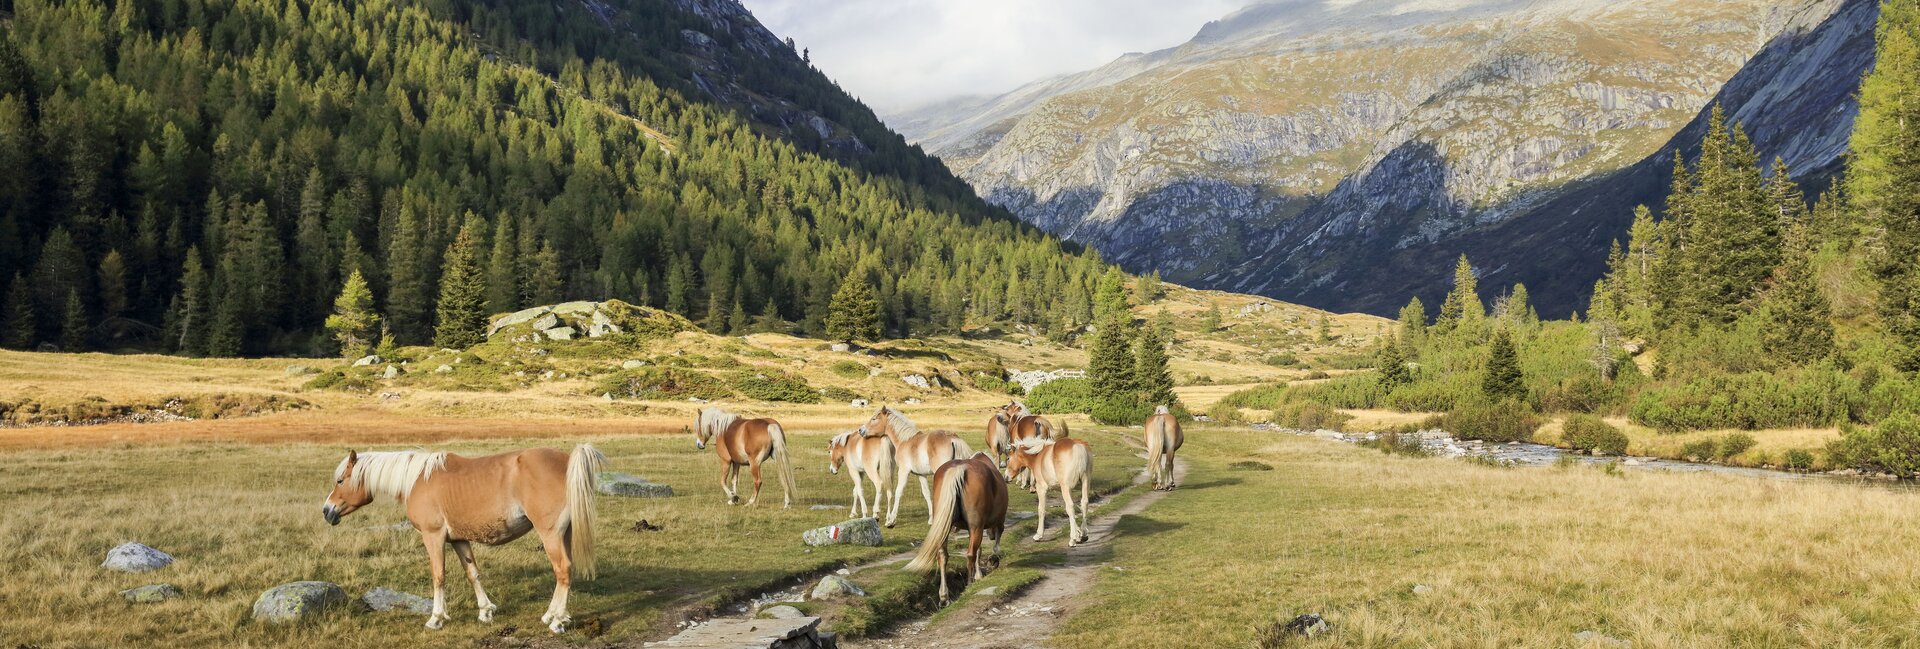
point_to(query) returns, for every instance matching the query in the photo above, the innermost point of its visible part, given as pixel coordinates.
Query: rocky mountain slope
(1340, 154)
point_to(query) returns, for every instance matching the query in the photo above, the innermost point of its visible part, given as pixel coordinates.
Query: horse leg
(927, 494)
(754, 464)
(1073, 524)
(973, 551)
(943, 572)
(899, 490)
(859, 495)
(1040, 489)
(726, 481)
(436, 543)
(464, 550)
(555, 543)
(1170, 484)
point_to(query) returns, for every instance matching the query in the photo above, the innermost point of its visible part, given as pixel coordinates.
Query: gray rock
(1422, 589)
(559, 333)
(858, 403)
(633, 365)
(296, 370)
(622, 484)
(832, 586)
(392, 371)
(546, 322)
(1308, 625)
(607, 397)
(917, 381)
(989, 591)
(783, 613)
(297, 601)
(443, 369)
(383, 599)
(825, 507)
(369, 359)
(859, 531)
(578, 307)
(150, 593)
(1597, 639)
(136, 557)
(840, 347)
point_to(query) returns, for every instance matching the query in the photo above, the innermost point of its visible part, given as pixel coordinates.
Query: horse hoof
(436, 621)
(486, 614)
(1036, 537)
(546, 617)
(558, 626)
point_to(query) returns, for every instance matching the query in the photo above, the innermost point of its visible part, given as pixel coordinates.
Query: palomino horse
(1056, 462)
(864, 457)
(1013, 422)
(1163, 438)
(969, 492)
(492, 499)
(914, 452)
(744, 442)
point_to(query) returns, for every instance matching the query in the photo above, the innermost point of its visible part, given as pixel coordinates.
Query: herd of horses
(494, 499)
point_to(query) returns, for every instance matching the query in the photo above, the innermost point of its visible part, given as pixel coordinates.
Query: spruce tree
(409, 295)
(1413, 323)
(462, 308)
(1110, 360)
(1111, 295)
(1518, 310)
(17, 328)
(1503, 379)
(113, 285)
(1883, 172)
(546, 285)
(737, 320)
(854, 314)
(1799, 326)
(1732, 237)
(1462, 310)
(1148, 288)
(353, 322)
(193, 307)
(1151, 376)
(73, 328)
(1393, 366)
(503, 269)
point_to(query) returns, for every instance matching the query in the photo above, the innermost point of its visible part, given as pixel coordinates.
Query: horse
(871, 457)
(1013, 422)
(969, 492)
(491, 499)
(744, 442)
(914, 452)
(1056, 462)
(1163, 438)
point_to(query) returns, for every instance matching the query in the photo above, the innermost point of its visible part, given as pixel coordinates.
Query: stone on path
(136, 557)
(297, 601)
(835, 586)
(859, 531)
(622, 484)
(783, 612)
(796, 633)
(150, 593)
(384, 599)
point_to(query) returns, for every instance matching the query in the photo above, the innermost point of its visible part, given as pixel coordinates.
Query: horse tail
(961, 450)
(946, 494)
(779, 437)
(1156, 446)
(582, 467)
(1082, 458)
(886, 462)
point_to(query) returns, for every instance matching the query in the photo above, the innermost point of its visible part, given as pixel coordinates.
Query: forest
(205, 176)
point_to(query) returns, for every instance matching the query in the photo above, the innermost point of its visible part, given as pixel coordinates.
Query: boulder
(858, 403)
(622, 484)
(633, 365)
(383, 599)
(1422, 589)
(517, 317)
(832, 586)
(546, 322)
(369, 359)
(150, 593)
(783, 612)
(859, 531)
(559, 333)
(1308, 625)
(840, 347)
(392, 371)
(579, 307)
(443, 369)
(917, 381)
(136, 557)
(297, 601)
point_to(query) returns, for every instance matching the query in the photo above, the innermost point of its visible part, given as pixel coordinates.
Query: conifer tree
(193, 307)
(503, 270)
(1110, 360)
(1148, 288)
(1799, 326)
(18, 326)
(409, 295)
(1111, 295)
(854, 314)
(546, 286)
(1413, 323)
(1151, 375)
(462, 308)
(1462, 310)
(1210, 320)
(1503, 379)
(737, 321)
(1732, 235)
(1518, 311)
(1883, 172)
(354, 322)
(113, 285)
(73, 329)
(1393, 367)
(313, 258)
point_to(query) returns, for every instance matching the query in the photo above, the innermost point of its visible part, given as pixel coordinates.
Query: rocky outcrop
(569, 320)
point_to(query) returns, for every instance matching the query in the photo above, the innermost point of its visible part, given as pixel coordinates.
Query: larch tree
(1463, 309)
(461, 310)
(353, 322)
(1883, 172)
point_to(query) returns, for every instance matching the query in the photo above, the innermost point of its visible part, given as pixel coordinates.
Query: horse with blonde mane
(864, 457)
(914, 453)
(1163, 438)
(491, 499)
(1012, 423)
(1055, 462)
(744, 442)
(969, 493)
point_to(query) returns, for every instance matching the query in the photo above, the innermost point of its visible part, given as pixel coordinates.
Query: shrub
(1505, 421)
(1310, 416)
(1590, 433)
(1798, 459)
(1351, 391)
(1735, 444)
(1120, 410)
(1061, 396)
(837, 393)
(1317, 375)
(1446, 393)
(1394, 443)
(1584, 392)
(654, 382)
(1265, 397)
(989, 382)
(1222, 412)
(1750, 401)
(775, 386)
(1283, 360)
(339, 380)
(848, 369)
(1347, 361)
(1892, 447)
(1701, 450)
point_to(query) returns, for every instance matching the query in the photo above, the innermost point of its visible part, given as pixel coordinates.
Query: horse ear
(352, 456)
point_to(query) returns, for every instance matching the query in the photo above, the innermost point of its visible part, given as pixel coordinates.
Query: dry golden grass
(1514, 557)
(1771, 444)
(1376, 419)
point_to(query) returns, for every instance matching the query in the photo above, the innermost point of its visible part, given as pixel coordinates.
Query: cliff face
(1342, 156)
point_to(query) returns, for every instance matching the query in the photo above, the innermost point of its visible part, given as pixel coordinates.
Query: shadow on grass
(1226, 481)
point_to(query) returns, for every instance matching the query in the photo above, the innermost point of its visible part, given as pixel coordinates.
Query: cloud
(898, 54)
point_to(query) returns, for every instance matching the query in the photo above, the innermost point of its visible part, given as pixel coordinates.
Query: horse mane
(1021, 408)
(840, 439)
(899, 423)
(391, 473)
(1032, 445)
(714, 421)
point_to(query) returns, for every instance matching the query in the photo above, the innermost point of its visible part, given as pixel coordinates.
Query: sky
(900, 54)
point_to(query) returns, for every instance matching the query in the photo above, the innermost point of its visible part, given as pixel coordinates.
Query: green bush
(1120, 411)
(1395, 443)
(1222, 412)
(1438, 395)
(848, 369)
(989, 382)
(1583, 392)
(1283, 360)
(1505, 421)
(1061, 396)
(1798, 459)
(1346, 361)
(775, 386)
(1701, 450)
(1750, 401)
(1736, 443)
(1892, 447)
(1350, 391)
(339, 380)
(662, 383)
(1590, 433)
(1265, 397)
(837, 393)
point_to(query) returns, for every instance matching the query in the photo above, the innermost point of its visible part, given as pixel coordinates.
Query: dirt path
(1028, 619)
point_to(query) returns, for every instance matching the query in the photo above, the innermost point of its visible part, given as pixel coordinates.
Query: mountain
(1342, 154)
(205, 177)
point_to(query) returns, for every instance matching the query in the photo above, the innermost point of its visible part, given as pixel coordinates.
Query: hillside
(204, 178)
(1342, 155)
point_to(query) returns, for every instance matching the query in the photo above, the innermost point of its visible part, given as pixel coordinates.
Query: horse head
(1023, 455)
(709, 422)
(349, 493)
(879, 424)
(837, 452)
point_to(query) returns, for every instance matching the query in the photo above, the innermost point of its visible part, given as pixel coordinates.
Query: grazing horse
(491, 499)
(1056, 462)
(744, 442)
(1163, 438)
(1013, 422)
(868, 457)
(914, 452)
(969, 492)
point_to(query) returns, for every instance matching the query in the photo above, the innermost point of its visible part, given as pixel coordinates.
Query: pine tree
(1151, 376)
(353, 322)
(193, 307)
(1393, 367)
(1462, 310)
(462, 308)
(73, 329)
(409, 295)
(546, 286)
(1110, 296)
(854, 314)
(1210, 320)
(679, 285)
(313, 258)
(1413, 323)
(1799, 326)
(1731, 240)
(1110, 360)
(113, 285)
(1883, 172)
(1503, 379)
(17, 328)
(503, 269)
